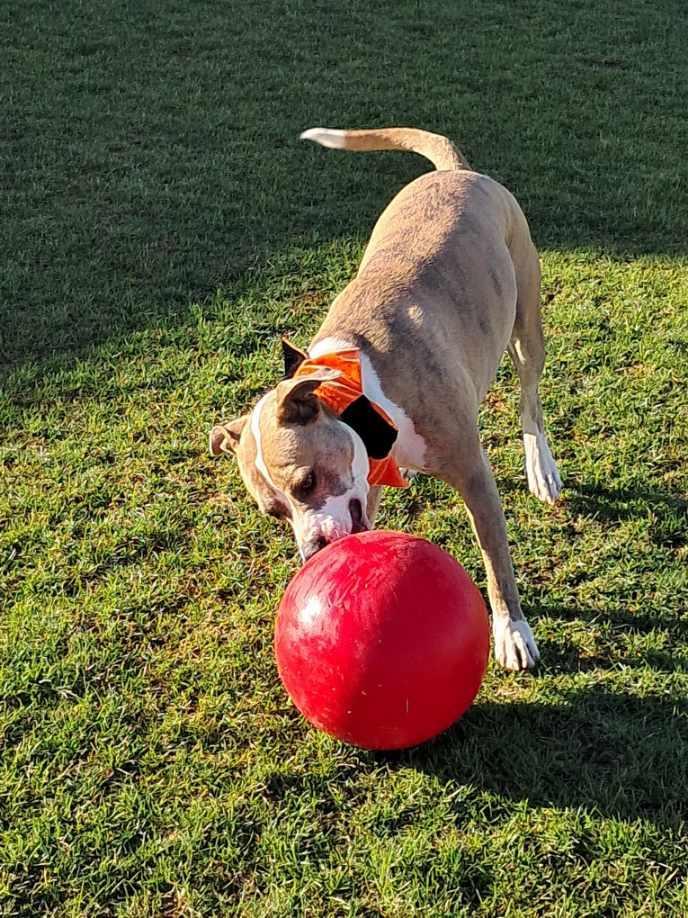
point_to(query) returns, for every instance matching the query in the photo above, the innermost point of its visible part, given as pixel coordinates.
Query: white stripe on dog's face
(331, 519)
(260, 461)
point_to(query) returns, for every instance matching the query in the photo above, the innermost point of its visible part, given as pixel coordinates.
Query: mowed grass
(161, 226)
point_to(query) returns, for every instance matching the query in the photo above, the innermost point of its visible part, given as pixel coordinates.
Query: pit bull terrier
(393, 379)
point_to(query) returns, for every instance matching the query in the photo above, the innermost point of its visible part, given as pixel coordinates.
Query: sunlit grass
(162, 228)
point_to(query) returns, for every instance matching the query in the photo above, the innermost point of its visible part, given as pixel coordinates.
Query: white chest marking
(409, 449)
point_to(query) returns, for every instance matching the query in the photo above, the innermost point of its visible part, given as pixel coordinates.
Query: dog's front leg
(374, 495)
(471, 475)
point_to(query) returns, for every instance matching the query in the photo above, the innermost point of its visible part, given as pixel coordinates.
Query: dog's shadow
(665, 512)
(622, 755)
(618, 504)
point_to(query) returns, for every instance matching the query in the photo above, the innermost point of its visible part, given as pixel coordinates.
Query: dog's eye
(306, 486)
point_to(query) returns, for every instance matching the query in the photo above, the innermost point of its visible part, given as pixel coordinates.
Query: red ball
(382, 640)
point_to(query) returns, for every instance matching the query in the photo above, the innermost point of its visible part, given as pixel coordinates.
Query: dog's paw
(543, 477)
(514, 644)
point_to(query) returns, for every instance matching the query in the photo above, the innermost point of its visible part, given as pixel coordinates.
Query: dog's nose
(313, 547)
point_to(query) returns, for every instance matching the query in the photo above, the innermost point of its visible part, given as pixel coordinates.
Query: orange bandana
(338, 394)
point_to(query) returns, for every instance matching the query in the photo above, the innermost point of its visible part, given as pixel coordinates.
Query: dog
(393, 379)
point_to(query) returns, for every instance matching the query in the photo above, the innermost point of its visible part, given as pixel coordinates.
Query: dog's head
(300, 462)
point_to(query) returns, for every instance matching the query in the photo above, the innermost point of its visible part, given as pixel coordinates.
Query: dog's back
(438, 260)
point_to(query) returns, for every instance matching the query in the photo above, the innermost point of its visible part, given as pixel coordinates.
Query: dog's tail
(441, 152)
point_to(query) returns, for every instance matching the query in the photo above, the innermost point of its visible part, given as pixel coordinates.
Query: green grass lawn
(161, 226)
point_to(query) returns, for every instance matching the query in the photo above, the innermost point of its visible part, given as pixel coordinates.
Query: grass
(161, 226)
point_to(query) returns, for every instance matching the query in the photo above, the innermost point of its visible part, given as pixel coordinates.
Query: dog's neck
(410, 448)
(346, 397)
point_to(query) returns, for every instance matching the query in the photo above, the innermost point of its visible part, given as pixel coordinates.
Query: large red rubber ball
(382, 640)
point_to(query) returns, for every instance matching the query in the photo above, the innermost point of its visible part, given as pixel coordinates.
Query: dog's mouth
(358, 524)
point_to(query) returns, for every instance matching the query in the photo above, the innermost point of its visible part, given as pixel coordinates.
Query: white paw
(514, 644)
(543, 478)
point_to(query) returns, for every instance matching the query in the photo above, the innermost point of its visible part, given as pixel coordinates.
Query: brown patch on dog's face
(309, 462)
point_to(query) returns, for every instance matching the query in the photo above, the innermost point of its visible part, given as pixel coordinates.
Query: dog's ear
(293, 358)
(224, 438)
(296, 399)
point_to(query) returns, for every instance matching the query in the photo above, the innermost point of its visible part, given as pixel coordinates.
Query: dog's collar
(344, 396)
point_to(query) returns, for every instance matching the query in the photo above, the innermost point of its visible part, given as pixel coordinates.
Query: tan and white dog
(449, 281)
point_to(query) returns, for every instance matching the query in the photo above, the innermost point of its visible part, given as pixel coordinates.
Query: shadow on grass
(622, 503)
(622, 755)
(151, 165)
(669, 512)
(565, 657)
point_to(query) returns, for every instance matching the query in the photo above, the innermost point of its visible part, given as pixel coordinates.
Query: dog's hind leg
(528, 354)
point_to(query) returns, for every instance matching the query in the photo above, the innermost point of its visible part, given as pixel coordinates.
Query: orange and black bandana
(344, 397)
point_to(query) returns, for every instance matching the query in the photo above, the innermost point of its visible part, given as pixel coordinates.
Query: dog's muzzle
(358, 524)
